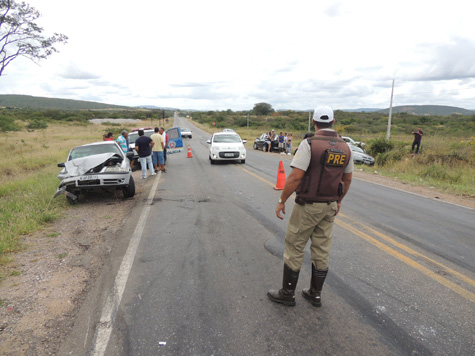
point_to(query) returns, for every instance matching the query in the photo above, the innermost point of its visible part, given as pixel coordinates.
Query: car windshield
(226, 138)
(356, 149)
(185, 129)
(133, 136)
(89, 150)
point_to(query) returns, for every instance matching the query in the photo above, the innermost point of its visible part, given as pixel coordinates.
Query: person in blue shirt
(281, 143)
(123, 141)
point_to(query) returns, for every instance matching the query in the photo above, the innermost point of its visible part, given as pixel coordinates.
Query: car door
(261, 141)
(175, 141)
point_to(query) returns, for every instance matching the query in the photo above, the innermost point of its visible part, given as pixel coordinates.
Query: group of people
(152, 150)
(284, 140)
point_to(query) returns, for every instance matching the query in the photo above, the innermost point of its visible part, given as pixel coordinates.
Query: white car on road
(226, 146)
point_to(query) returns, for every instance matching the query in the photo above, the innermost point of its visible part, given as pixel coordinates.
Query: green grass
(25, 206)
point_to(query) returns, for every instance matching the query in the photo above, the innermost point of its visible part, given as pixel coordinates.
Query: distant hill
(422, 110)
(35, 102)
(361, 110)
(153, 107)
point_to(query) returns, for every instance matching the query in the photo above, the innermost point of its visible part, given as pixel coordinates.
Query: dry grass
(28, 169)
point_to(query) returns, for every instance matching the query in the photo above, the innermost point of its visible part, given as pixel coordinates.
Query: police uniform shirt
(302, 157)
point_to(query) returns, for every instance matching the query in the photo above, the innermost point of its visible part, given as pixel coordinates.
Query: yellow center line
(456, 288)
(433, 275)
(413, 252)
(257, 176)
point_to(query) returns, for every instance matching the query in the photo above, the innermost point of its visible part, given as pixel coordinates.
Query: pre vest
(322, 182)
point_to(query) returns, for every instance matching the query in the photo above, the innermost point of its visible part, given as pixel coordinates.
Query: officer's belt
(301, 201)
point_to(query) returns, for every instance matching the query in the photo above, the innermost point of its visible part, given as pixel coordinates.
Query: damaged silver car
(96, 166)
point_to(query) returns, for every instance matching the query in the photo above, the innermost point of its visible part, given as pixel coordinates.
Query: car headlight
(115, 169)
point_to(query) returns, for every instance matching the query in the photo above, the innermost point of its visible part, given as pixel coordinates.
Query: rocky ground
(51, 276)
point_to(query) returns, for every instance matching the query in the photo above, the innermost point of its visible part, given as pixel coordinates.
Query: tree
(21, 36)
(262, 109)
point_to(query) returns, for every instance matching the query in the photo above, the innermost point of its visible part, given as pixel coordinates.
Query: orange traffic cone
(190, 155)
(280, 177)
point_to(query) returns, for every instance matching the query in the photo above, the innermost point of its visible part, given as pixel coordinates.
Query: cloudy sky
(230, 54)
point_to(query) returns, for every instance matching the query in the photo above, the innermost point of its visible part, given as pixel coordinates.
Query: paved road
(401, 280)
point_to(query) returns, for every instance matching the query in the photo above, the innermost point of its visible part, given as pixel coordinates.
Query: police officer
(321, 176)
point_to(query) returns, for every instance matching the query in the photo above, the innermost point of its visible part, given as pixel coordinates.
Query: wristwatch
(281, 201)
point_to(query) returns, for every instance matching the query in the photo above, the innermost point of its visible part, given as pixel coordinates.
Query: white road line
(104, 329)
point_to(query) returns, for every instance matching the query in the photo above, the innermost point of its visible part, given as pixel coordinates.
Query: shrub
(8, 124)
(37, 124)
(379, 146)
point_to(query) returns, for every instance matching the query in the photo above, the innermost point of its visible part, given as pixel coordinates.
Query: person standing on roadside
(143, 146)
(165, 138)
(157, 151)
(272, 138)
(123, 142)
(417, 139)
(321, 176)
(289, 143)
(281, 143)
(108, 137)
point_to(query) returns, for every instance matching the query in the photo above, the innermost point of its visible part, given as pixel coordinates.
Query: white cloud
(218, 55)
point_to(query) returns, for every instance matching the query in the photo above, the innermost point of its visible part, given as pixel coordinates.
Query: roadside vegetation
(32, 143)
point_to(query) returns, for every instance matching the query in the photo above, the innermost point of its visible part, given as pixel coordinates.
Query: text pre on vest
(335, 158)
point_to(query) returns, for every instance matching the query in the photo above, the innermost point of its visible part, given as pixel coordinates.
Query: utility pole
(309, 117)
(388, 135)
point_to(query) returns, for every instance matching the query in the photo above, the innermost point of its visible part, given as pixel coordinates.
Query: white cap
(323, 113)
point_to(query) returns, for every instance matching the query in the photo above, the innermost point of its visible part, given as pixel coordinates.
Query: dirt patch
(50, 277)
(38, 306)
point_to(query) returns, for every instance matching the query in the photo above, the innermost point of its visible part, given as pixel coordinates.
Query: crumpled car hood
(80, 166)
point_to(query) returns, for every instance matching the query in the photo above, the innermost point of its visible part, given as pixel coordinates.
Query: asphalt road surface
(205, 246)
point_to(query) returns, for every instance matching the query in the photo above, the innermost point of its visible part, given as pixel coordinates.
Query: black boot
(286, 295)
(314, 293)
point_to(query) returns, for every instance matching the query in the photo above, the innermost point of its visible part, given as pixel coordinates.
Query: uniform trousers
(314, 222)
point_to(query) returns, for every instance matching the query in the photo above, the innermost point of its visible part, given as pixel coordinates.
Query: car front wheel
(129, 191)
(255, 146)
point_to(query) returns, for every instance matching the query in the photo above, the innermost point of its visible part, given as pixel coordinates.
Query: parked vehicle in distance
(350, 141)
(360, 157)
(186, 132)
(229, 130)
(262, 143)
(96, 166)
(226, 146)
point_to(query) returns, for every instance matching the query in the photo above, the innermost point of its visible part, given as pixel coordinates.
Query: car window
(84, 151)
(173, 133)
(356, 149)
(133, 136)
(226, 138)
